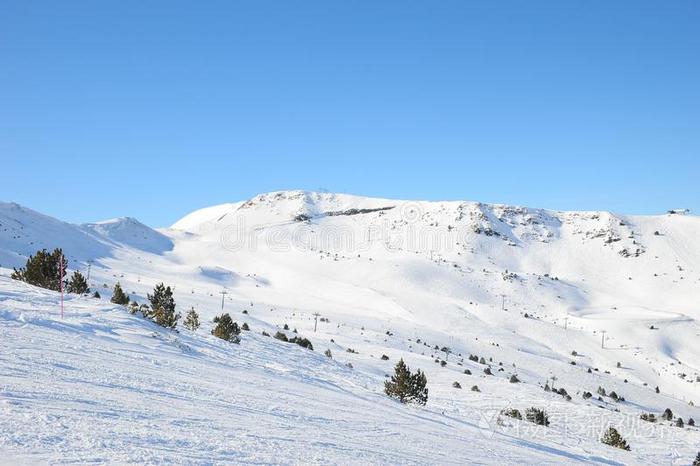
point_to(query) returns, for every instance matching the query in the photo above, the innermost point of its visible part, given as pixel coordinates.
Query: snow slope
(523, 288)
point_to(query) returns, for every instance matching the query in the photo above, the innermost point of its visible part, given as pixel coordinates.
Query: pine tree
(613, 438)
(163, 306)
(679, 422)
(43, 270)
(165, 318)
(97, 295)
(407, 387)
(118, 296)
(667, 415)
(226, 328)
(697, 460)
(77, 284)
(192, 320)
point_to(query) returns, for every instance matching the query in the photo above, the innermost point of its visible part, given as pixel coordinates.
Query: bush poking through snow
(245, 326)
(475, 388)
(649, 417)
(613, 438)
(191, 320)
(514, 413)
(77, 284)
(281, 336)
(667, 415)
(456, 385)
(226, 328)
(118, 296)
(43, 269)
(163, 306)
(328, 354)
(514, 379)
(303, 342)
(697, 460)
(406, 386)
(385, 357)
(537, 416)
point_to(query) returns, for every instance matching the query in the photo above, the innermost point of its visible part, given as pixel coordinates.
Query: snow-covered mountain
(578, 300)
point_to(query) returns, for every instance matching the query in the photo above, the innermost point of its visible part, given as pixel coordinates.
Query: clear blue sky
(155, 108)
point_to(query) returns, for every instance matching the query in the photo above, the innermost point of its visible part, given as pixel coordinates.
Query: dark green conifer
(77, 284)
(407, 387)
(118, 296)
(43, 270)
(613, 438)
(226, 328)
(191, 320)
(163, 306)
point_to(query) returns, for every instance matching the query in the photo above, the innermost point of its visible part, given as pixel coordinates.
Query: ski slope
(523, 288)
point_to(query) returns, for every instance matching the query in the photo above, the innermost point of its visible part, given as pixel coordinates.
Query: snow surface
(102, 385)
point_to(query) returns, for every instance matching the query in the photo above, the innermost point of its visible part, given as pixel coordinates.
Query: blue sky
(153, 109)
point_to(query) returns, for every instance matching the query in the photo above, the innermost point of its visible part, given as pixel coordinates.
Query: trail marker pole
(316, 314)
(602, 340)
(60, 273)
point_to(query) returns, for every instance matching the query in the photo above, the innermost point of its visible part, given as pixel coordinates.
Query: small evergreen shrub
(226, 328)
(303, 342)
(407, 387)
(613, 438)
(281, 336)
(537, 416)
(475, 388)
(163, 306)
(191, 320)
(456, 385)
(43, 269)
(77, 284)
(328, 354)
(118, 296)
(514, 413)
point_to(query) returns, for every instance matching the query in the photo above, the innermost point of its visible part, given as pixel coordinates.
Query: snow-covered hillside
(578, 300)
